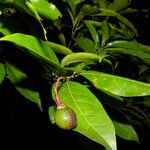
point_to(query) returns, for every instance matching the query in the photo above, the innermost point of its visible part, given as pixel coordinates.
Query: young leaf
(86, 44)
(46, 9)
(16, 76)
(92, 120)
(34, 46)
(105, 32)
(117, 85)
(125, 131)
(59, 48)
(2, 72)
(93, 32)
(78, 57)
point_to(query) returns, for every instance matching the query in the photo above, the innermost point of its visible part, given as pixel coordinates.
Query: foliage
(88, 43)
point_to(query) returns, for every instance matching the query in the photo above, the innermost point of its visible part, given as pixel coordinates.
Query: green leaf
(86, 44)
(27, 7)
(117, 85)
(93, 32)
(125, 44)
(111, 13)
(95, 23)
(78, 57)
(17, 77)
(59, 48)
(46, 9)
(102, 3)
(73, 5)
(119, 5)
(105, 32)
(2, 72)
(21, 4)
(144, 56)
(125, 131)
(51, 113)
(146, 48)
(84, 11)
(92, 120)
(130, 48)
(34, 46)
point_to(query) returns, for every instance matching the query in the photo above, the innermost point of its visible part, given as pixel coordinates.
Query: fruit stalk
(58, 100)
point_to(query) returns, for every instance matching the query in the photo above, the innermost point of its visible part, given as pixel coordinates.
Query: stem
(58, 100)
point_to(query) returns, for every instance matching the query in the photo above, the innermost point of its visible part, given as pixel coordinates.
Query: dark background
(24, 126)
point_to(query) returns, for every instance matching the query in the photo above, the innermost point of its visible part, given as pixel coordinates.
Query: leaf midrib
(83, 114)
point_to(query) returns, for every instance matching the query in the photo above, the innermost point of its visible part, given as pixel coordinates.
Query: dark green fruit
(65, 118)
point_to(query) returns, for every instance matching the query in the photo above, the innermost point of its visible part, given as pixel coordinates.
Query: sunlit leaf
(92, 120)
(46, 9)
(117, 85)
(79, 57)
(34, 46)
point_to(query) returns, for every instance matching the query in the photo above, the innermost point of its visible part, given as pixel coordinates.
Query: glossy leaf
(125, 44)
(2, 72)
(144, 56)
(125, 131)
(79, 57)
(16, 76)
(92, 120)
(34, 46)
(117, 85)
(130, 48)
(86, 44)
(46, 9)
(59, 48)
